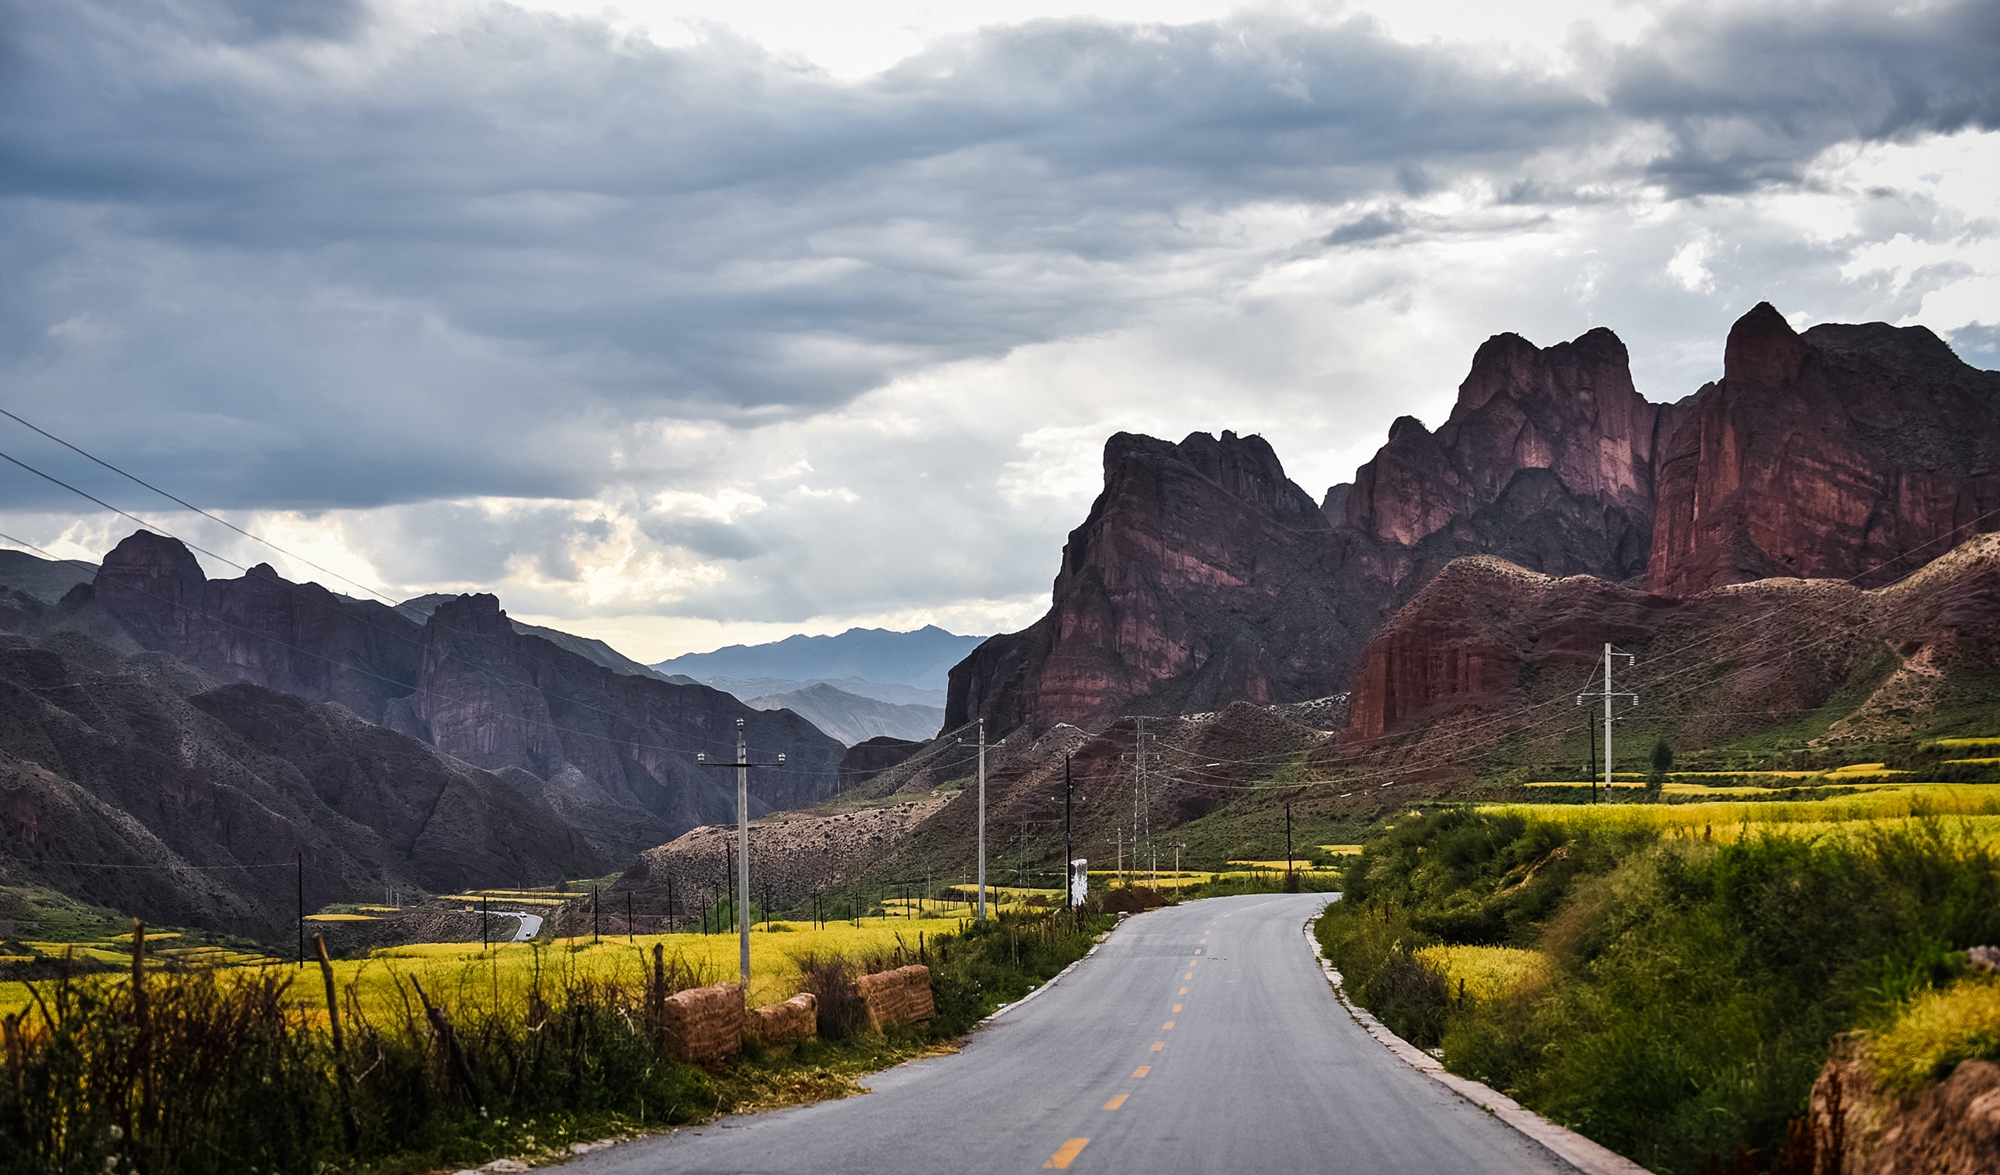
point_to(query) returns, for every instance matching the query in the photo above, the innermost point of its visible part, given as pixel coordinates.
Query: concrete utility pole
(743, 766)
(982, 812)
(1138, 786)
(1607, 694)
(982, 819)
(1069, 852)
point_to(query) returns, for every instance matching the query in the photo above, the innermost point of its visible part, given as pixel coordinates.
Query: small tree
(1663, 762)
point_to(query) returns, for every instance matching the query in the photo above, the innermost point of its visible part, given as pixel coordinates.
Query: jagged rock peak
(1246, 468)
(1763, 349)
(1569, 408)
(478, 612)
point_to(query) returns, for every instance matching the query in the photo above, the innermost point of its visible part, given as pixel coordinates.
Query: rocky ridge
(1200, 578)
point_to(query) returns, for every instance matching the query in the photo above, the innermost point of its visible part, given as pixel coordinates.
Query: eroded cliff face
(1850, 452)
(1490, 655)
(295, 638)
(1846, 452)
(1203, 576)
(1568, 412)
(617, 751)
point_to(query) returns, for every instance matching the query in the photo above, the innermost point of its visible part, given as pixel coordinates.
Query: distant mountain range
(852, 718)
(874, 655)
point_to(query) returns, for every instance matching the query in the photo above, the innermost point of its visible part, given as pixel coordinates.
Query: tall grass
(1690, 988)
(241, 1070)
(221, 1070)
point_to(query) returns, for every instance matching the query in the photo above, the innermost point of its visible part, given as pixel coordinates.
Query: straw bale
(704, 1024)
(902, 996)
(794, 1020)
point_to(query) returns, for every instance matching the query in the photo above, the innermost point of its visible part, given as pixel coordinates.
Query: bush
(830, 979)
(1692, 989)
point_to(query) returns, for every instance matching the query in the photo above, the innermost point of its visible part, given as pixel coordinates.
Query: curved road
(1200, 1038)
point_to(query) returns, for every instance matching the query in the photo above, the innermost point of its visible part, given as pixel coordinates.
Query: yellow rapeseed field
(462, 974)
(1486, 972)
(1974, 806)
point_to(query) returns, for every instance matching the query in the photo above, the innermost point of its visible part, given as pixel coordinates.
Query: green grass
(1690, 988)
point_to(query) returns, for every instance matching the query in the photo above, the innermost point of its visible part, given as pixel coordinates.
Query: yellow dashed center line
(1114, 1103)
(1183, 992)
(1188, 976)
(1177, 1007)
(1066, 1154)
(1158, 1045)
(1197, 950)
(1142, 1070)
(1169, 1027)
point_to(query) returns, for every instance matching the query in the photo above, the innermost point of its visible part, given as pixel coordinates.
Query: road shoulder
(1565, 1144)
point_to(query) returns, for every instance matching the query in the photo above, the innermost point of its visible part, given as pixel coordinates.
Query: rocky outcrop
(865, 760)
(1490, 655)
(1845, 452)
(791, 858)
(1856, 1127)
(1547, 459)
(1201, 578)
(1203, 575)
(260, 629)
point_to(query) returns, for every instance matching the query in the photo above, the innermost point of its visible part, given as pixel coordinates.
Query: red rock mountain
(1489, 657)
(1198, 579)
(1846, 451)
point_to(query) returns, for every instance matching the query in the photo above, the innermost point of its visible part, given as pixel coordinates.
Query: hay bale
(794, 1020)
(902, 996)
(704, 1024)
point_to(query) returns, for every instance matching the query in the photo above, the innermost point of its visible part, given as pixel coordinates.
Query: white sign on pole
(1079, 881)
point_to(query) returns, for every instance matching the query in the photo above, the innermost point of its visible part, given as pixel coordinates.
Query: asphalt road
(1198, 1039)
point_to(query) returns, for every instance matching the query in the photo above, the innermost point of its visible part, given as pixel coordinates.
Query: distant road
(531, 924)
(1199, 1039)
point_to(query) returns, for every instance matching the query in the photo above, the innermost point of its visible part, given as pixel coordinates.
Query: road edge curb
(998, 1012)
(1565, 1144)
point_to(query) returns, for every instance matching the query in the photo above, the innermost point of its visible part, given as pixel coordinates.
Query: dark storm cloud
(1748, 96)
(297, 260)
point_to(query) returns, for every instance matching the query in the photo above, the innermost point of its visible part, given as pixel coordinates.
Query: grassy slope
(1683, 991)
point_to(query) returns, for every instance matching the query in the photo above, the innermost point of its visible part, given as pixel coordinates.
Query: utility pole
(742, 879)
(1607, 694)
(302, 907)
(1288, 845)
(1138, 783)
(982, 813)
(593, 914)
(1069, 853)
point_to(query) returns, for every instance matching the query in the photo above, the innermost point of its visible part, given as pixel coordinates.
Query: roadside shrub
(1410, 995)
(1691, 988)
(1135, 899)
(830, 978)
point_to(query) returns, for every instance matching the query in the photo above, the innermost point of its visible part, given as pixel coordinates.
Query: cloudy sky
(678, 322)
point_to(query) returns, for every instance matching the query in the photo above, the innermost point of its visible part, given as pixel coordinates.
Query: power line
(191, 506)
